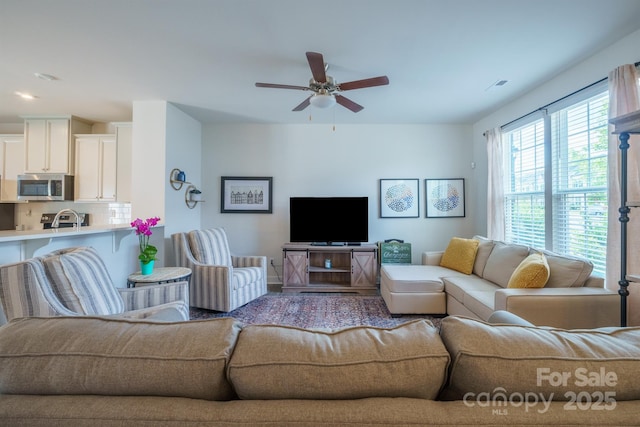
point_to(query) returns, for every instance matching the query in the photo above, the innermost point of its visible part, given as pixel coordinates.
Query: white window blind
(579, 137)
(556, 185)
(524, 195)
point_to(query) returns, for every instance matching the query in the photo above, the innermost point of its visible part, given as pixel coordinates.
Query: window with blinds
(579, 138)
(556, 189)
(524, 195)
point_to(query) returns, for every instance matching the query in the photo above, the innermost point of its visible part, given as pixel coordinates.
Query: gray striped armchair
(76, 282)
(219, 281)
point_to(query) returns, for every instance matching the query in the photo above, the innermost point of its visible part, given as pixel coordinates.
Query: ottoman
(413, 289)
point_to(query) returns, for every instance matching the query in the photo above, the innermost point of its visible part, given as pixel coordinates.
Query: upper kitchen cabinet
(50, 145)
(11, 164)
(96, 168)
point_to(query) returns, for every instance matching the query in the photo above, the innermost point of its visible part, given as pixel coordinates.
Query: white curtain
(495, 185)
(623, 99)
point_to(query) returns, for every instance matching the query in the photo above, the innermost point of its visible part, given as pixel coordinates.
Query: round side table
(159, 275)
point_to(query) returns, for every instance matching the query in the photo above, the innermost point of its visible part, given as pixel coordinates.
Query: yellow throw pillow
(460, 255)
(533, 272)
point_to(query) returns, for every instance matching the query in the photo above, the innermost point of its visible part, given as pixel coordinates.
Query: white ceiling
(205, 55)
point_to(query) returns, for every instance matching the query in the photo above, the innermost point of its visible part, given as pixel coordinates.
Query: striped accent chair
(26, 292)
(220, 281)
(75, 281)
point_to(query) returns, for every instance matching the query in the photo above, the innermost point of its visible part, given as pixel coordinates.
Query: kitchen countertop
(13, 235)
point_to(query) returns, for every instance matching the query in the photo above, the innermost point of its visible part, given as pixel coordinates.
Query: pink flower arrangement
(143, 231)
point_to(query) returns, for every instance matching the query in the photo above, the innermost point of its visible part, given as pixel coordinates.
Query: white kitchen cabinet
(11, 164)
(96, 168)
(49, 144)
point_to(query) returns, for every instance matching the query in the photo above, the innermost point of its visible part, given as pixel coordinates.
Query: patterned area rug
(315, 311)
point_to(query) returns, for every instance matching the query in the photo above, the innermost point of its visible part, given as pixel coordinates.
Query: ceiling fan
(326, 92)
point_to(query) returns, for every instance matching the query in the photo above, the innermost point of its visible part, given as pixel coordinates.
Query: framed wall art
(241, 194)
(399, 198)
(444, 198)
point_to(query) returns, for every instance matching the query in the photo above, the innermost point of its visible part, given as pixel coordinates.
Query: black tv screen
(329, 220)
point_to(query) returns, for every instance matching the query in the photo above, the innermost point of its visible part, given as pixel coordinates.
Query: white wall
(183, 148)
(314, 160)
(589, 71)
(148, 154)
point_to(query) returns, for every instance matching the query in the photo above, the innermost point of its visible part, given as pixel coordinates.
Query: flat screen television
(329, 220)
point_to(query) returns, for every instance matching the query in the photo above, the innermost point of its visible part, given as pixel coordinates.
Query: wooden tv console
(353, 268)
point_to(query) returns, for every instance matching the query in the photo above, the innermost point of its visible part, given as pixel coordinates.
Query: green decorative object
(147, 268)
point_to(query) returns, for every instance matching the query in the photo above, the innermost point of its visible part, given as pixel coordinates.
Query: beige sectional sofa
(571, 296)
(91, 371)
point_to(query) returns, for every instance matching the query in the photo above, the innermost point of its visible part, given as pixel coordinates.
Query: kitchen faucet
(56, 219)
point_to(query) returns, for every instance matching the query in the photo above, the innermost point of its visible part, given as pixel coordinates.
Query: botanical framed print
(399, 198)
(240, 194)
(444, 198)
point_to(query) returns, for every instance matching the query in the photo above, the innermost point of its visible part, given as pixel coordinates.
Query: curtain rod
(557, 100)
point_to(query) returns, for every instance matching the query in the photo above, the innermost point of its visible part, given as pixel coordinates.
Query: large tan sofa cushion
(503, 261)
(413, 278)
(98, 356)
(485, 246)
(281, 362)
(555, 363)
(567, 271)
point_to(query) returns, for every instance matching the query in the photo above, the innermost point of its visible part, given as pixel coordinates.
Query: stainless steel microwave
(45, 186)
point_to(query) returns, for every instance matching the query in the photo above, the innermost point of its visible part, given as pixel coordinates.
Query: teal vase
(147, 268)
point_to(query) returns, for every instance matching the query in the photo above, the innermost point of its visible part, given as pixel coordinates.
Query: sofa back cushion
(485, 247)
(82, 282)
(567, 271)
(557, 364)
(210, 246)
(281, 362)
(503, 261)
(116, 357)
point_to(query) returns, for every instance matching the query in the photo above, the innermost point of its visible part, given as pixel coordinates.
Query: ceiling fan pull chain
(334, 120)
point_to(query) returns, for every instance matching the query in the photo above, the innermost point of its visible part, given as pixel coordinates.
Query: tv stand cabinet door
(363, 268)
(296, 268)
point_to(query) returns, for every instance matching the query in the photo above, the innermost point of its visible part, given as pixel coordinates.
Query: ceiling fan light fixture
(323, 100)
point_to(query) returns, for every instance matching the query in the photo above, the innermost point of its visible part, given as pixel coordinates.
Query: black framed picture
(444, 198)
(243, 194)
(399, 198)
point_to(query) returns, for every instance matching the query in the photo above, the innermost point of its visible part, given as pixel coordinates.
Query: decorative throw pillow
(533, 272)
(460, 255)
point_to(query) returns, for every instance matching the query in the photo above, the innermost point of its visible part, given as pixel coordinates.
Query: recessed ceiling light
(27, 96)
(47, 77)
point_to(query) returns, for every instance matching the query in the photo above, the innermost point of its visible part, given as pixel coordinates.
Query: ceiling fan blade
(316, 63)
(347, 103)
(279, 86)
(304, 104)
(359, 84)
